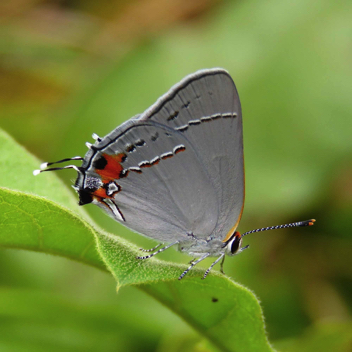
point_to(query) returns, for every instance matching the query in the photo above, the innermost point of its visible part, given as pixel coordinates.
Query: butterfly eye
(235, 244)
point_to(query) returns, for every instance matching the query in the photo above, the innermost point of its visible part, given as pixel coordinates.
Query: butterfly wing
(205, 108)
(149, 178)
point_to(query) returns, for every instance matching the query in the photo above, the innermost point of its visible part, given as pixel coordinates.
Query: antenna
(43, 166)
(293, 224)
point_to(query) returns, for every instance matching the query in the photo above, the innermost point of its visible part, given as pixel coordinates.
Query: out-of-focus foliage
(70, 68)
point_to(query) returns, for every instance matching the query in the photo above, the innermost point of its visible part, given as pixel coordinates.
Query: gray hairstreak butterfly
(175, 173)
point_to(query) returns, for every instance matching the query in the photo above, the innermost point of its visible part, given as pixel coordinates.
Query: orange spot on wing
(100, 193)
(113, 167)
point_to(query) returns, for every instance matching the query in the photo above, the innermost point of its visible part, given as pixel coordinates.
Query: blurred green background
(71, 68)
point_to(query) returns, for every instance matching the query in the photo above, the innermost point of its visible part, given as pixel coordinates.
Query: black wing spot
(100, 163)
(123, 173)
(154, 137)
(187, 105)
(130, 148)
(123, 158)
(140, 143)
(173, 116)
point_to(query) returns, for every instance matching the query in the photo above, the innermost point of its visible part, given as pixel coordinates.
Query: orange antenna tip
(311, 222)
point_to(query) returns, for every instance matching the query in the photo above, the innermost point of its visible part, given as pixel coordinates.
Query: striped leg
(158, 251)
(211, 266)
(152, 249)
(193, 264)
(222, 263)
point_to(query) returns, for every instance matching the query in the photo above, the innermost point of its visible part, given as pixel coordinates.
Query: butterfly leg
(193, 264)
(152, 249)
(211, 266)
(158, 251)
(223, 260)
(222, 265)
(192, 261)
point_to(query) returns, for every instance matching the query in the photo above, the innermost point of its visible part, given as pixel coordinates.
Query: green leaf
(34, 223)
(226, 313)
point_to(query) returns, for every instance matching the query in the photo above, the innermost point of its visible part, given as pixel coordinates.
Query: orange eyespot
(112, 168)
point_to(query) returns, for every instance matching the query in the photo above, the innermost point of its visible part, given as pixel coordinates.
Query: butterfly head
(233, 245)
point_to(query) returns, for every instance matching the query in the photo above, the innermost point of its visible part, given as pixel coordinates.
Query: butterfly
(175, 173)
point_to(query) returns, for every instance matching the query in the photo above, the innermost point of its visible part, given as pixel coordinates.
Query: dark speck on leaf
(214, 299)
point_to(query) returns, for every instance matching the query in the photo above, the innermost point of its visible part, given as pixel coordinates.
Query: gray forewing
(165, 194)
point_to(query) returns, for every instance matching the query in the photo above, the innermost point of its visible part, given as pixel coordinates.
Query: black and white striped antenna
(292, 224)
(44, 166)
